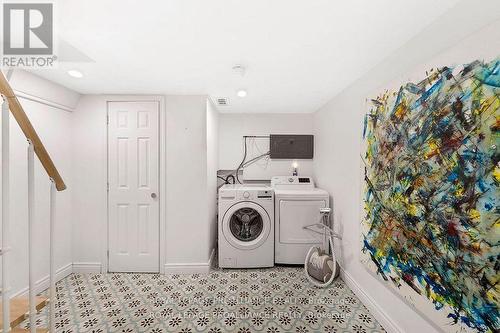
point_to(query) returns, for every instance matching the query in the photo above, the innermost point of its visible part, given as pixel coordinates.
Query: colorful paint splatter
(431, 198)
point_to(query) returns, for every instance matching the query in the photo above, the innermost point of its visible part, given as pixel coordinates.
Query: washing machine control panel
(245, 192)
(265, 195)
(256, 195)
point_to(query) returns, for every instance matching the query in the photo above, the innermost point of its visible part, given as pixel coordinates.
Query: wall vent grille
(222, 101)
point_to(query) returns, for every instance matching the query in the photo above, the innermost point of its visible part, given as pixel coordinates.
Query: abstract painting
(431, 215)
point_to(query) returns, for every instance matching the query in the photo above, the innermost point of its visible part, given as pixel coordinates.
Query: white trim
(43, 283)
(40, 100)
(162, 137)
(9, 73)
(378, 312)
(87, 267)
(163, 182)
(190, 268)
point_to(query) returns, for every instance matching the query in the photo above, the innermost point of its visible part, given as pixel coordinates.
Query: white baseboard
(378, 312)
(190, 268)
(177, 268)
(87, 267)
(44, 283)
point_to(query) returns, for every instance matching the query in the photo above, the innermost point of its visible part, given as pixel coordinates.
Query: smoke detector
(222, 101)
(239, 69)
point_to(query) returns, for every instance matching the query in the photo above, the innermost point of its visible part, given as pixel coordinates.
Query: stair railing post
(5, 216)
(52, 321)
(31, 216)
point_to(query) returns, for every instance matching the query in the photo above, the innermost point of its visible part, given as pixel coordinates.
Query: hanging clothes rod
(325, 214)
(322, 226)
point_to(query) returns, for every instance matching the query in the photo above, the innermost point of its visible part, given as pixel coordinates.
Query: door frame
(162, 140)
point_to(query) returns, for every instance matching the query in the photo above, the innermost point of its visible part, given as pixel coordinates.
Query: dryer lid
(301, 193)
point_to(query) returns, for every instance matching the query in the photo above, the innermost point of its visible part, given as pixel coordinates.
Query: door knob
(153, 195)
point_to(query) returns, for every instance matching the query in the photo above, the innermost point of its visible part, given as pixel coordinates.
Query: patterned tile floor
(272, 300)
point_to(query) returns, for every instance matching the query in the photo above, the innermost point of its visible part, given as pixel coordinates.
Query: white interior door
(133, 176)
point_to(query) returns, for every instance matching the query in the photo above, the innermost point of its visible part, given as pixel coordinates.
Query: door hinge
(107, 119)
(107, 253)
(107, 187)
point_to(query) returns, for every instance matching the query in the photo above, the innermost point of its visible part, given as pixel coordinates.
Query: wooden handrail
(29, 131)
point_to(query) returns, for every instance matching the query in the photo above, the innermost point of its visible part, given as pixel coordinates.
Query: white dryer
(246, 226)
(297, 204)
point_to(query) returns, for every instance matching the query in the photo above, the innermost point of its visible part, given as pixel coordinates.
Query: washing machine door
(246, 225)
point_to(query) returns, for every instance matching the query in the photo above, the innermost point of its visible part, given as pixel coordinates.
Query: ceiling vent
(222, 101)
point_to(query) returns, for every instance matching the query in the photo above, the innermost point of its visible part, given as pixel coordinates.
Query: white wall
(89, 194)
(34, 87)
(338, 128)
(212, 167)
(187, 223)
(232, 128)
(53, 125)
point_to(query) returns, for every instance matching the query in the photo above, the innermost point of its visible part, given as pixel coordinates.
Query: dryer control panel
(292, 182)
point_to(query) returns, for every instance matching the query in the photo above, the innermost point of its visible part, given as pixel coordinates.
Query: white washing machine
(246, 226)
(297, 204)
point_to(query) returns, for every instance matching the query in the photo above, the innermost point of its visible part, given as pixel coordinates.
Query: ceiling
(297, 54)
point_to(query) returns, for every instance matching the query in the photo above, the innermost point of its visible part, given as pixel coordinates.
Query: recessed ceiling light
(75, 73)
(241, 93)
